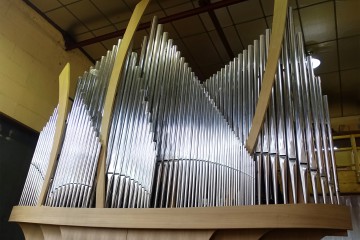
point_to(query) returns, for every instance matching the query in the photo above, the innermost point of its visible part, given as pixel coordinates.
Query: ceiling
(331, 30)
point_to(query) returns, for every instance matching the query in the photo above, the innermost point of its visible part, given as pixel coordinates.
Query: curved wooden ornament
(277, 34)
(64, 89)
(110, 97)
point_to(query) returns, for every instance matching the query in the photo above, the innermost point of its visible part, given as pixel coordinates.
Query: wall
(31, 58)
(346, 124)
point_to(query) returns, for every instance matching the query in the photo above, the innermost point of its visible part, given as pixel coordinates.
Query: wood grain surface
(110, 97)
(277, 34)
(51, 232)
(64, 88)
(311, 216)
(32, 231)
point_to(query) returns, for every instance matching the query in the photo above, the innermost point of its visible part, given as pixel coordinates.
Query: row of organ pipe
(39, 163)
(177, 142)
(296, 140)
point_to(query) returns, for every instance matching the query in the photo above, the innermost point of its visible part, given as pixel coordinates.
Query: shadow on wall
(17, 145)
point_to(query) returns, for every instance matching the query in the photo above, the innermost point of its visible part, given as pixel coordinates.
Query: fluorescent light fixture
(315, 62)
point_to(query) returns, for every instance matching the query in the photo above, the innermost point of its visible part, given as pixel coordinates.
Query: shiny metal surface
(177, 142)
(39, 163)
(294, 143)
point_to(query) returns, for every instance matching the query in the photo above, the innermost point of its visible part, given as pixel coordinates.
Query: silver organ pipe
(177, 142)
(39, 163)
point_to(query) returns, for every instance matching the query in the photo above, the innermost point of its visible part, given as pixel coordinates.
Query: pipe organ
(72, 184)
(149, 151)
(175, 142)
(296, 134)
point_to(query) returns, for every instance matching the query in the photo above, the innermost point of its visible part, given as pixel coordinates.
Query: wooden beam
(64, 88)
(110, 97)
(346, 136)
(279, 20)
(311, 216)
(356, 158)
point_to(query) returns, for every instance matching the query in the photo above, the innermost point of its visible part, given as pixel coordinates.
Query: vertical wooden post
(356, 157)
(110, 97)
(64, 86)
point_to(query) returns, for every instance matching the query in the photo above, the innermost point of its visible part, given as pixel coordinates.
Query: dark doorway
(17, 145)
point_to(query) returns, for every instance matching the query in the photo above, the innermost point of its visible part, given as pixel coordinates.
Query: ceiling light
(315, 62)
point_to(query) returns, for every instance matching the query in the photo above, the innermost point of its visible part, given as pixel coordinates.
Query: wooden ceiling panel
(66, 2)
(205, 18)
(121, 25)
(348, 17)
(349, 51)
(318, 23)
(233, 39)
(87, 13)
(110, 43)
(83, 36)
(202, 49)
(168, 27)
(182, 26)
(223, 16)
(104, 30)
(115, 10)
(305, 3)
(66, 21)
(240, 12)
(171, 3)
(96, 50)
(219, 47)
(178, 8)
(45, 6)
(251, 30)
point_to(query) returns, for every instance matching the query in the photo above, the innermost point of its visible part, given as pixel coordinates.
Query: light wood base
(249, 222)
(48, 232)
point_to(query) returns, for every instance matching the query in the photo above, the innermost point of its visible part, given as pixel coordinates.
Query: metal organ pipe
(175, 142)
